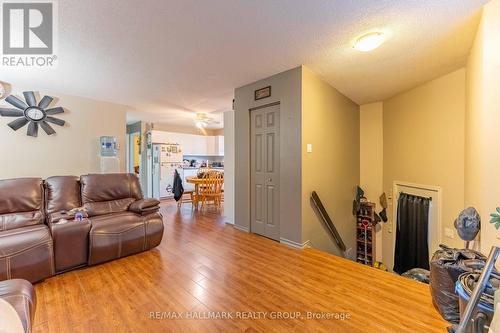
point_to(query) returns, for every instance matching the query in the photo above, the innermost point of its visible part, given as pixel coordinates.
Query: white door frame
(435, 192)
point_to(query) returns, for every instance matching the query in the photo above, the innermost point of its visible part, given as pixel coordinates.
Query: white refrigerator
(166, 159)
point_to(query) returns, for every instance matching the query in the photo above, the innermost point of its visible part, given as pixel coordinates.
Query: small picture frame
(263, 93)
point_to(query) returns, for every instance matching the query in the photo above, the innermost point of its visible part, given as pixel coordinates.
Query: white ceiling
(170, 59)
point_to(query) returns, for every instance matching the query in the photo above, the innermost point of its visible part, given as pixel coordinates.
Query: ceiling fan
(202, 120)
(32, 113)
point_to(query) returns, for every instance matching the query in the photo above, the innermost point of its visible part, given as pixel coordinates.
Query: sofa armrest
(144, 206)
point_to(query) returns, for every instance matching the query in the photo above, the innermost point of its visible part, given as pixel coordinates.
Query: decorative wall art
(32, 113)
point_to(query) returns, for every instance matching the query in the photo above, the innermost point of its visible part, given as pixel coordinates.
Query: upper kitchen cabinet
(195, 145)
(215, 145)
(192, 144)
(220, 144)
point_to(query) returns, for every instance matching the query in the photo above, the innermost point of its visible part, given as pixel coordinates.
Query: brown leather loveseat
(20, 294)
(34, 244)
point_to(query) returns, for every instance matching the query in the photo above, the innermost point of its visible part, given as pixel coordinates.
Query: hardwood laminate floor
(210, 277)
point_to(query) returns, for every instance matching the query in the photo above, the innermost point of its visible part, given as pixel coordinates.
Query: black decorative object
(32, 113)
(468, 224)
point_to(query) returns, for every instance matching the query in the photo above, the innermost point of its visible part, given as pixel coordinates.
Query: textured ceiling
(170, 59)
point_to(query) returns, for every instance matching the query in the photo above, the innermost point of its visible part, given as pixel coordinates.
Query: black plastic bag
(446, 265)
(417, 274)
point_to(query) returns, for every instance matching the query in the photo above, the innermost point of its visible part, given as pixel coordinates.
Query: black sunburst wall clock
(32, 113)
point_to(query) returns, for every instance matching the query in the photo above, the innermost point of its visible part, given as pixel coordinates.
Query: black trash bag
(417, 274)
(446, 265)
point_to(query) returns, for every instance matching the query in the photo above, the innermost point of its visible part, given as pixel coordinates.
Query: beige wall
(424, 139)
(371, 169)
(286, 89)
(73, 150)
(483, 119)
(330, 122)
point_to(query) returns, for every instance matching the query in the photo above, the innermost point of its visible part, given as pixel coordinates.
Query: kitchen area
(168, 152)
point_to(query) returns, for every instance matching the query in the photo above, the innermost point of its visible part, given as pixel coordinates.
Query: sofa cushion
(21, 295)
(21, 202)
(108, 207)
(21, 195)
(62, 193)
(116, 235)
(26, 253)
(22, 219)
(108, 187)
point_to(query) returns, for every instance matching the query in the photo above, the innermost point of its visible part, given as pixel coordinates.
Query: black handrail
(328, 221)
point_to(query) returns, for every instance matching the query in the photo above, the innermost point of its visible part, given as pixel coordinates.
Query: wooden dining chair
(211, 189)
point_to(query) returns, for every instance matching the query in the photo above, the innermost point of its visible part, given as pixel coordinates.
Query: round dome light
(369, 41)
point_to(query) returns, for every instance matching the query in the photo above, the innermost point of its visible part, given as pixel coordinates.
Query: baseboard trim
(241, 228)
(295, 245)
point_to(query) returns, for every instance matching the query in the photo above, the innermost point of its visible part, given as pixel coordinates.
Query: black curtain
(412, 248)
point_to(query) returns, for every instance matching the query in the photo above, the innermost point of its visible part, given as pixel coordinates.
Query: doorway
(264, 170)
(433, 194)
(134, 153)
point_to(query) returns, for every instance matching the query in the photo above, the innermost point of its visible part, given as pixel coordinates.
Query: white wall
(229, 167)
(73, 150)
(371, 132)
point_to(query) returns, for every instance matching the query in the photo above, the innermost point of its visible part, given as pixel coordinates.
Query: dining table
(196, 181)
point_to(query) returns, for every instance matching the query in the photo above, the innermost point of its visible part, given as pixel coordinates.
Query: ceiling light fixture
(369, 42)
(201, 124)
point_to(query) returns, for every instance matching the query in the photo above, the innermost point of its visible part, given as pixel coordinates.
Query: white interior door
(265, 158)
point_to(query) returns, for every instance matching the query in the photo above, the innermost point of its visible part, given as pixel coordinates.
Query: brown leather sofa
(123, 223)
(21, 295)
(34, 246)
(25, 242)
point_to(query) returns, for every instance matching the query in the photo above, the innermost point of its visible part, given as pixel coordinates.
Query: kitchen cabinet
(220, 142)
(211, 146)
(215, 145)
(192, 144)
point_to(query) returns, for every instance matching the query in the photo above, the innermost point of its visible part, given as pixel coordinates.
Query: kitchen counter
(196, 168)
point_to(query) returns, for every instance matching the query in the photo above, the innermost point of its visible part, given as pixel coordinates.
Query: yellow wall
(330, 122)
(424, 138)
(137, 146)
(371, 133)
(483, 123)
(73, 150)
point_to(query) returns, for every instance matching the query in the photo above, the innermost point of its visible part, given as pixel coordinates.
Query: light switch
(449, 233)
(309, 148)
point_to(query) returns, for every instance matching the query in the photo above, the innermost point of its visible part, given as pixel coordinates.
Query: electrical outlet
(309, 148)
(449, 233)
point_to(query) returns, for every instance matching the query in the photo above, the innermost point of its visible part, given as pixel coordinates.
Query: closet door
(264, 170)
